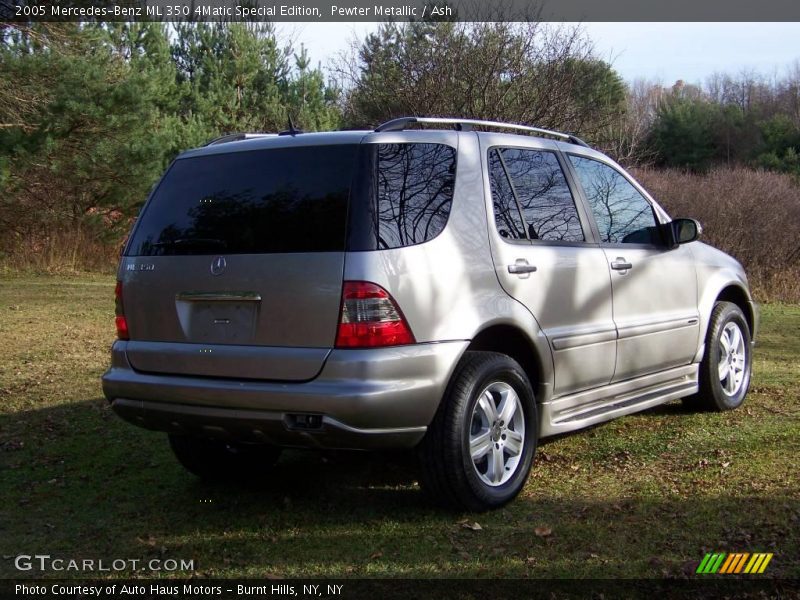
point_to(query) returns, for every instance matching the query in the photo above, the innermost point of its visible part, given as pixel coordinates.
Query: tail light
(121, 322)
(370, 318)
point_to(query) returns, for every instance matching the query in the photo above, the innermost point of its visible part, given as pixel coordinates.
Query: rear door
(235, 267)
(545, 258)
(655, 287)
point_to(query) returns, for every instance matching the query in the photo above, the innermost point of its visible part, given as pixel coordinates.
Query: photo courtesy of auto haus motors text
(114, 590)
(399, 299)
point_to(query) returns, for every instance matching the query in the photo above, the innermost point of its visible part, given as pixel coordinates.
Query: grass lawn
(644, 496)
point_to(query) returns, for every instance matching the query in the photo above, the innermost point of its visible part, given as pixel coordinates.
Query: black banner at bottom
(384, 589)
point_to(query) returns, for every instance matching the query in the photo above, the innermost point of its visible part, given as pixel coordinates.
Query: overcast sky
(663, 52)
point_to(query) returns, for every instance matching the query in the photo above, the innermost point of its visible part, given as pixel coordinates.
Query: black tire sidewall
(724, 314)
(506, 370)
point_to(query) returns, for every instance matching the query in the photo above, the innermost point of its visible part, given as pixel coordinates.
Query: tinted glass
(507, 217)
(264, 201)
(548, 209)
(623, 215)
(414, 192)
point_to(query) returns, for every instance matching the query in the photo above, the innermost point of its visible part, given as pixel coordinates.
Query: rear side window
(622, 214)
(253, 202)
(536, 183)
(401, 196)
(414, 192)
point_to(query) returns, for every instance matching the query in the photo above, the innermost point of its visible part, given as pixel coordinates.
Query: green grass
(644, 496)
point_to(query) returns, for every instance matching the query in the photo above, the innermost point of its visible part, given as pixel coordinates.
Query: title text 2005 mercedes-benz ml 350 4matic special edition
(462, 292)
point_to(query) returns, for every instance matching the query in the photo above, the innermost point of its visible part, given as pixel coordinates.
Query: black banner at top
(401, 10)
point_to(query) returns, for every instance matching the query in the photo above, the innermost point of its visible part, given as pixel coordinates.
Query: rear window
(253, 202)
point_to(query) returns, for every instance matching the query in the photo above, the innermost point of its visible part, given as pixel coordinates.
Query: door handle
(521, 268)
(620, 264)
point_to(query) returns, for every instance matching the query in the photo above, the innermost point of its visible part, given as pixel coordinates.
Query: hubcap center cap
(497, 431)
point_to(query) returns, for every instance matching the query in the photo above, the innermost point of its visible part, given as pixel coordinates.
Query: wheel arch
(511, 340)
(737, 295)
(727, 289)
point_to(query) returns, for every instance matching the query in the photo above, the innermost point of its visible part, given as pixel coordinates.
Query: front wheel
(727, 363)
(478, 450)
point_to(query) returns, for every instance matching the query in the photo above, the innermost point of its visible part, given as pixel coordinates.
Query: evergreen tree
(683, 133)
(91, 114)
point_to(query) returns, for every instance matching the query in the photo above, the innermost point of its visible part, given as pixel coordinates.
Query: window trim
(589, 236)
(588, 204)
(513, 189)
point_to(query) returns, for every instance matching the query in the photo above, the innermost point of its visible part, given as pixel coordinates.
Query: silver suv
(461, 292)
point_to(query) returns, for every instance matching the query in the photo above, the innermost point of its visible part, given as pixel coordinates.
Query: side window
(623, 215)
(507, 217)
(540, 190)
(414, 192)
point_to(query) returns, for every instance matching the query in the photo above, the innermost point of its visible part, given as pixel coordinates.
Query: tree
(238, 77)
(523, 72)
(234, 76)
(627, 138)
(781, 145)
(91, 141)
(683, 133)
(91, 114)
(311, 102)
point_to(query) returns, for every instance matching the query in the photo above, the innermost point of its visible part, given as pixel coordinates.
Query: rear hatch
(235, 266)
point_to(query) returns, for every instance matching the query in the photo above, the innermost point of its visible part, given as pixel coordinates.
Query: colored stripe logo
(737, 562)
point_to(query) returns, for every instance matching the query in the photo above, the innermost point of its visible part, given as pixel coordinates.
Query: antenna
(292, 131)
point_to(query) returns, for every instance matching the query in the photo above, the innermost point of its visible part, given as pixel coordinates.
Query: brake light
(119, 320)
(370, 318)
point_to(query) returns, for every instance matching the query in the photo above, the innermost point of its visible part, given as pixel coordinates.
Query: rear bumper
(375, 398)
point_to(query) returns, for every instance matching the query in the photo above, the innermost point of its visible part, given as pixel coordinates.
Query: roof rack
(237, 137)
(402, 123)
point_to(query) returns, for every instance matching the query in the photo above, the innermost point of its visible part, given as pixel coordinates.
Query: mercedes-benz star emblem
(218, 265)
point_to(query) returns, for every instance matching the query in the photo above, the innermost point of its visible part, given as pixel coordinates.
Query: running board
(583, 409)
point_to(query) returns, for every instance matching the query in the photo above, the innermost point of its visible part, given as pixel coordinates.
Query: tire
(215, 460)
(724, 384)
(479, 385)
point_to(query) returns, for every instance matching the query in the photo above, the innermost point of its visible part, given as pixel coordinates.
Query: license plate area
(228, 318)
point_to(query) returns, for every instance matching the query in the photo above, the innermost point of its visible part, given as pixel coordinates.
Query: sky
(662, 52)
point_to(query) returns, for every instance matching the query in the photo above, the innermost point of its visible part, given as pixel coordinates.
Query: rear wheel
(478, 450)
(727, 362)
(215, 460)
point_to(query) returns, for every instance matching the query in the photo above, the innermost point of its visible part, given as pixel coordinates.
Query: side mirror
(683, 231)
